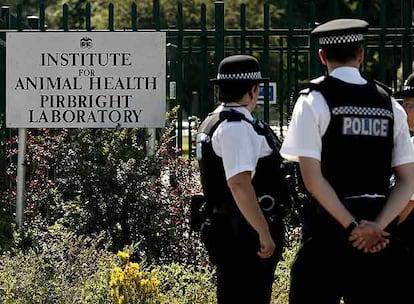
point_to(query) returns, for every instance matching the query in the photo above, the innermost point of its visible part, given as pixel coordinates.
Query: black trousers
(327, 268)
(324, 274)
(242, 276)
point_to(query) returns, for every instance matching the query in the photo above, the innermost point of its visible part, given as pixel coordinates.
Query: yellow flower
(130, 280)
(144, 283)
(117, 277)
(132, 271)
(155, 283)
(121, 299)
(124, 256)
(154, 272)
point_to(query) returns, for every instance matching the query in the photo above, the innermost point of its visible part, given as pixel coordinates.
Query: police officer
(239, 164)
(348, 134)
(405, 228)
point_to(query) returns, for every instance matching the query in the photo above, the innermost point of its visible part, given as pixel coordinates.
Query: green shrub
(93, 180)
(182, 284)
(60, 268)
(6, 221)
(97, 191)
(280, 291)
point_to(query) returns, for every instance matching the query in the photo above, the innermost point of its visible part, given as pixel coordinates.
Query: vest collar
(236, 107)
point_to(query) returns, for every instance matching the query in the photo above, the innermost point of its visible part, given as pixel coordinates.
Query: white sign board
(272, 93)
(85, 80)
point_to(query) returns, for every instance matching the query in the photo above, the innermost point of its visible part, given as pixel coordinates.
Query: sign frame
(85, 79)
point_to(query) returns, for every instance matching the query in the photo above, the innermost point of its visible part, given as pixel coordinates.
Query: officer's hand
(267, 246)
(369, 237)
(377, 247)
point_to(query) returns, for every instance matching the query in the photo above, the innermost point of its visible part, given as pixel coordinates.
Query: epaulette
(383, 86)
(314, 84)
(317, 80)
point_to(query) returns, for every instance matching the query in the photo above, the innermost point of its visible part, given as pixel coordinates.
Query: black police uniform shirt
(311, 118)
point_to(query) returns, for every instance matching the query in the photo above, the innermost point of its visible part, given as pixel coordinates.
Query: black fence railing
(286, 53)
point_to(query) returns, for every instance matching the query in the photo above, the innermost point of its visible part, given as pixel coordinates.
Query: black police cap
(340, 31)
(239, 68)
(408, 88)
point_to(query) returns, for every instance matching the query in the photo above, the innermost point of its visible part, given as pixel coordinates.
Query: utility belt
(359, 206)
(271, 217)
(271, 211)
(224, 229)
(201, 210)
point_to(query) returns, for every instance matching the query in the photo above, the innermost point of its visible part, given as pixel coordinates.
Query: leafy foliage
(187, 284)
(61, 268)
(93, 180)
(6, 220)
(299, 15)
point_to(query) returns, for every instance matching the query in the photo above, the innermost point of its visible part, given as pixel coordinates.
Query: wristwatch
(351, 227)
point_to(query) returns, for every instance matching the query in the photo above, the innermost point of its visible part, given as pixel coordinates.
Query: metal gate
(286, 53)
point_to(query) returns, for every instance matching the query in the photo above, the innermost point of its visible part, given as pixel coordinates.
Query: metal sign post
(21, 176)
(151, 132)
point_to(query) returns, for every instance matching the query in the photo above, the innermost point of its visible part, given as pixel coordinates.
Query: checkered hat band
(408, 88)
(362, 111)
(341, 39)
(240, 76)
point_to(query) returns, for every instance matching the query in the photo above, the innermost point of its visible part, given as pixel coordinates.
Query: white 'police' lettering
(365, 126)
